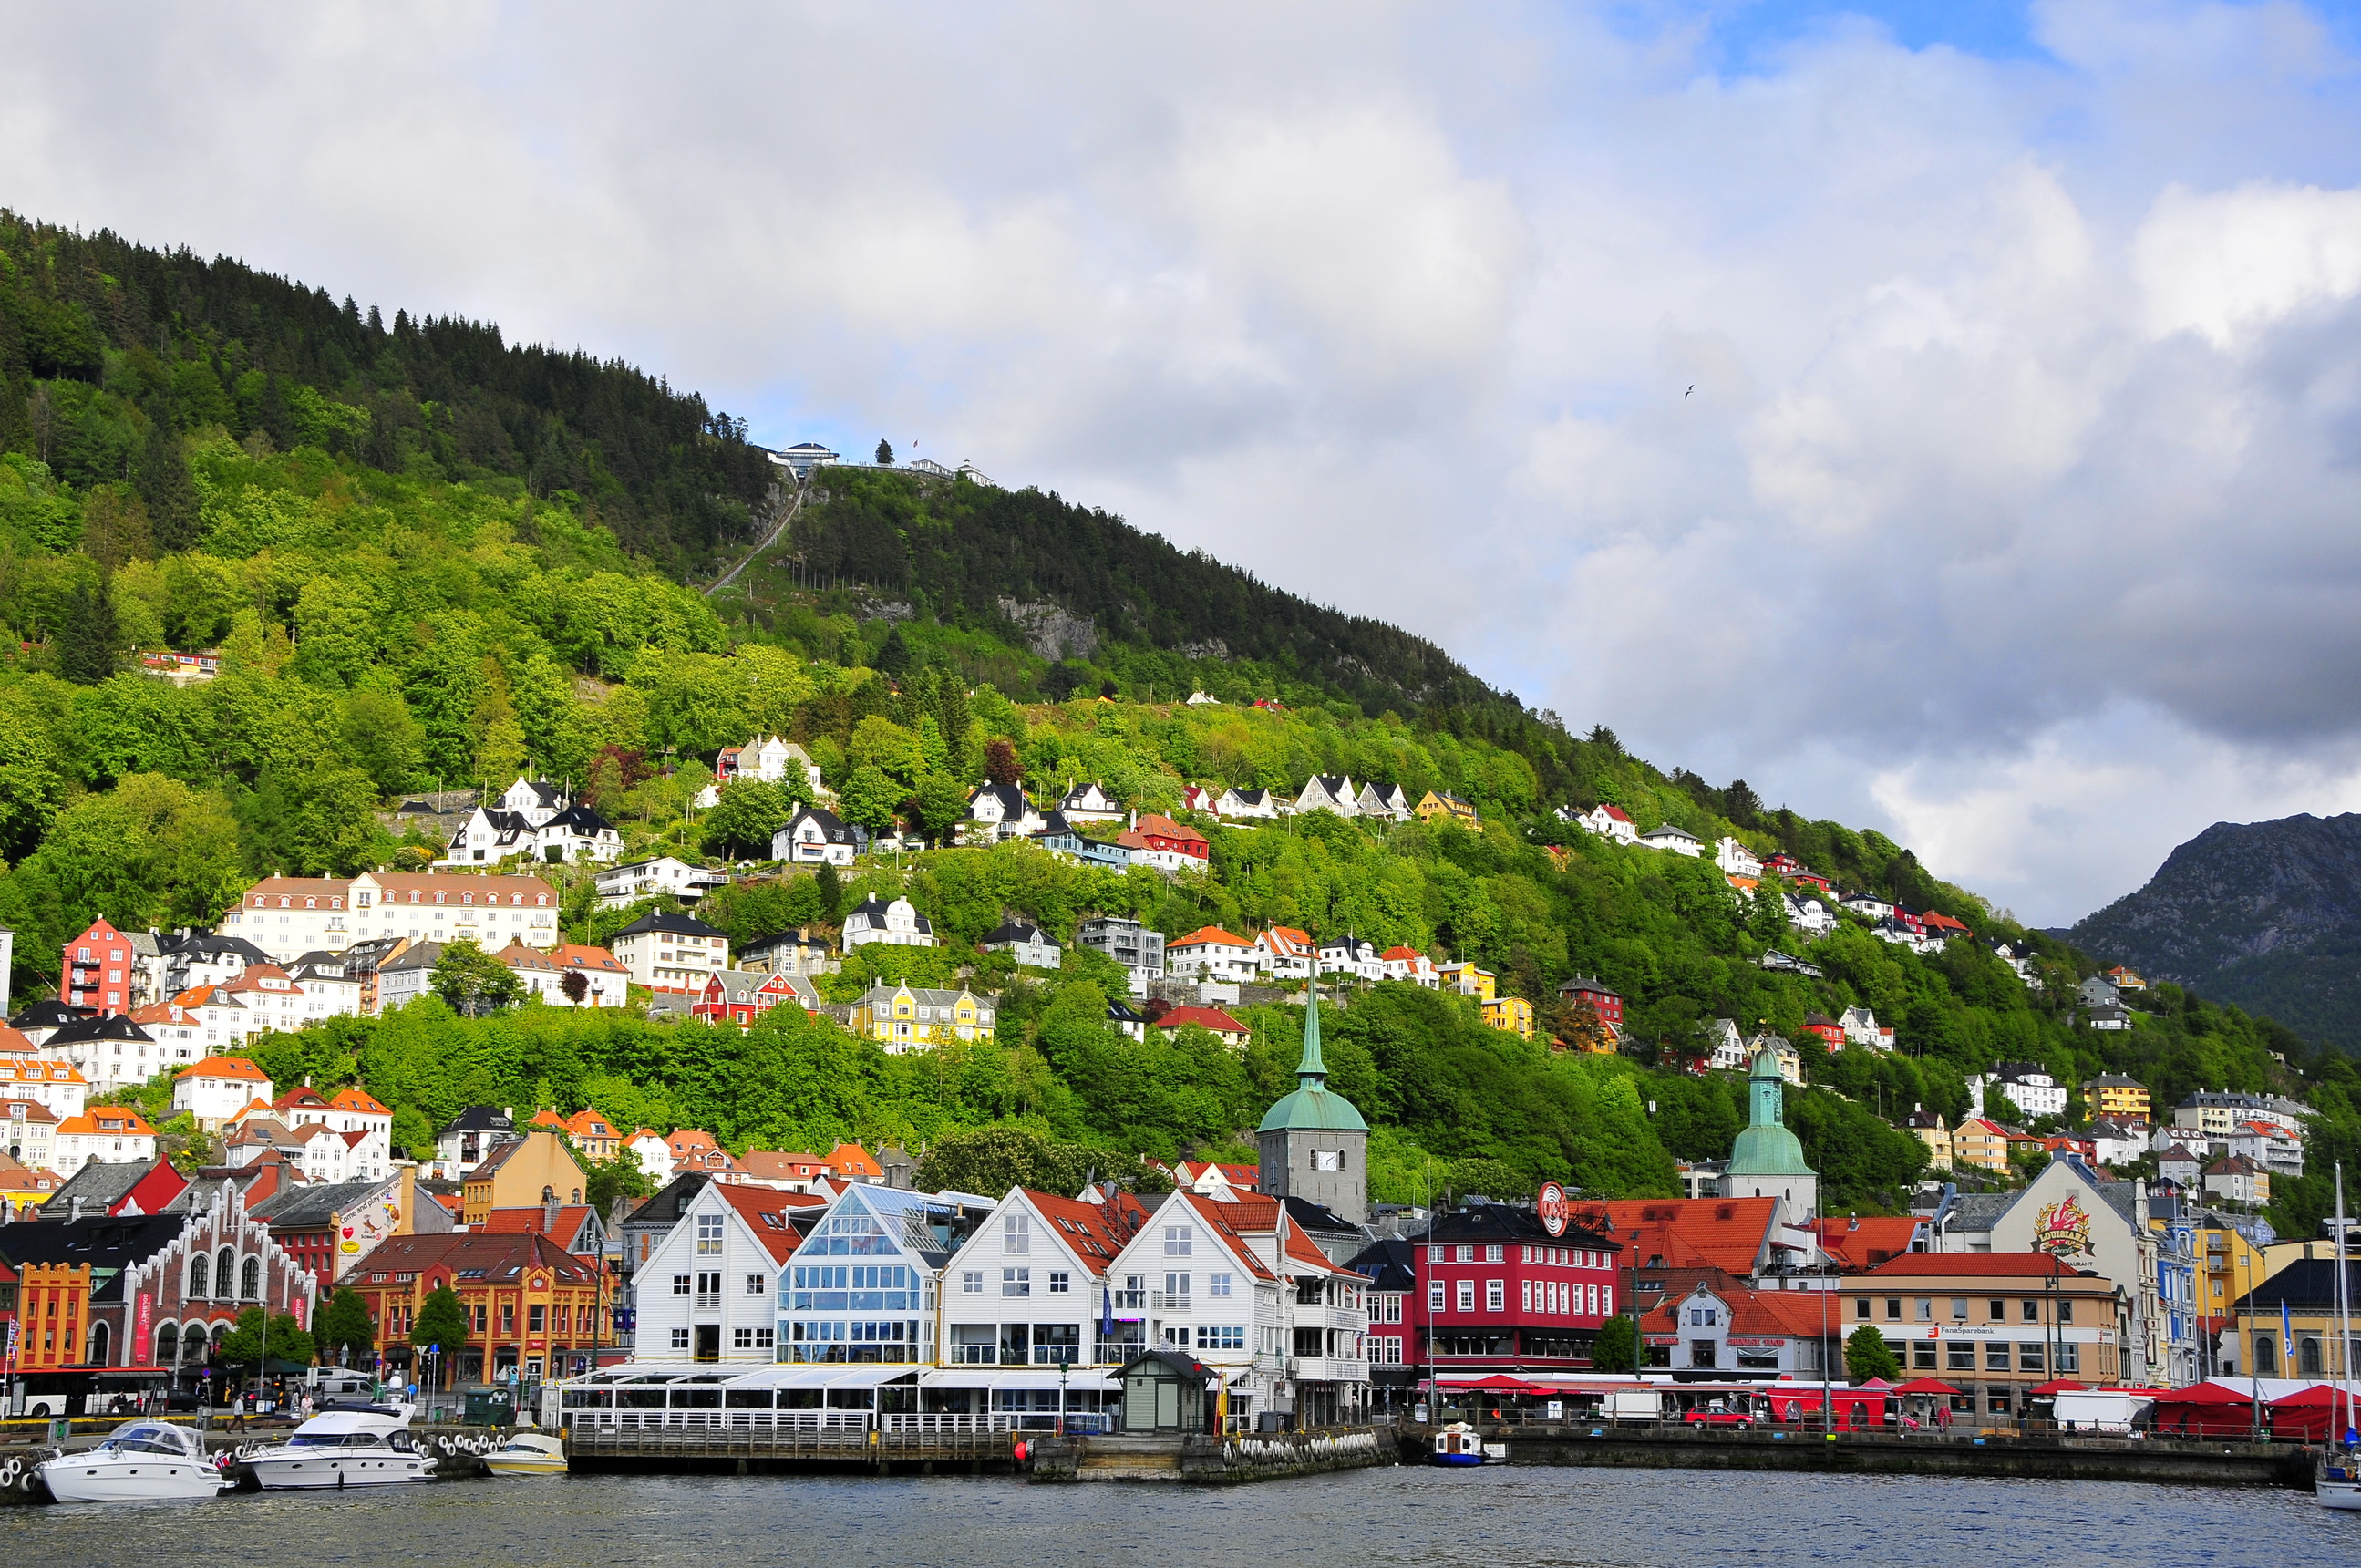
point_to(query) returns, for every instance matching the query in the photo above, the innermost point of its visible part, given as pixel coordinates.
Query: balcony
(1166, 1301)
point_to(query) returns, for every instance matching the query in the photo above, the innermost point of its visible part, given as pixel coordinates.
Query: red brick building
(1498, 1287)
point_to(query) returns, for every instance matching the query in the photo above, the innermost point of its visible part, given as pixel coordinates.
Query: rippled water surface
(1493, 1518)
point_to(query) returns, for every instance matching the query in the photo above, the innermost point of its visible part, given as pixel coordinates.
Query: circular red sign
(1555, 1210)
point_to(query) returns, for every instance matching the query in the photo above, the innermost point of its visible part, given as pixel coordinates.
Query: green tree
(164, 484)
(742, 821)
(472, 981)
(1866, 1355)
(262, 1338)
(346, 1328)
(605, 1180)
(1617, 1347)
(1766, 916)
(869, 797)
(884, 453)
(89, 641)
(941, 805)
(442, 1325)
(830, 890)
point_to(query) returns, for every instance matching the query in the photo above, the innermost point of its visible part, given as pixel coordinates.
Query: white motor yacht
(136, 1462)
(352, 1445)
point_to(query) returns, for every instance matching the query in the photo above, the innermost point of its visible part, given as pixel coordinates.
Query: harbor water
(1497, 1517)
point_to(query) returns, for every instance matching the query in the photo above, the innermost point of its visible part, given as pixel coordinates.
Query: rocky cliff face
(2266, 915)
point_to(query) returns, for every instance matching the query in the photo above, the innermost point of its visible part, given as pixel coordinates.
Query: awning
(1930, 1385)
(2058, 1385)
(1026, 1378)
(1501, 1383)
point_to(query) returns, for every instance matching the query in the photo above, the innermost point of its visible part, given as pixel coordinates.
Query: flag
(2287, 1342)
(1106, 1312)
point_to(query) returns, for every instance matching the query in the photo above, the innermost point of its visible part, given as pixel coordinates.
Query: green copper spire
(1311, 1072)
(1312, 1106)
(1765, 1146)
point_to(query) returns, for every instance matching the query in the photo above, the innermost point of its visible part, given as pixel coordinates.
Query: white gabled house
(1283, 952)
(1386, 800)
(1246, 802)
(1869, 905)
(1355, 956)
(864, 1286)
(816, 836)
(1410, 964)
(1030, 1287)
(1089, 802)
(1735, 859)
(1028, 943)
(1670, 840)
(1608, 822)
(1242, 1287)
(997, 812)
(1725, 1046)
(1809, 915)
(896, 924)
(620, 886)
(708, 1290)
(1329, 792)
(1862, 1028)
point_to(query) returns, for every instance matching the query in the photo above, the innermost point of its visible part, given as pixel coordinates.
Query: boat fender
(1020, 1451)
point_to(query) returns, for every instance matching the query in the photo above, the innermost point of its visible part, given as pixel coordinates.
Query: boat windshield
(147, 1437)
(333, 1439)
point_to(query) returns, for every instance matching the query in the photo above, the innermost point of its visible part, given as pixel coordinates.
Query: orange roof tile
(1213, 936)
(768, 1213)
(224, 1067)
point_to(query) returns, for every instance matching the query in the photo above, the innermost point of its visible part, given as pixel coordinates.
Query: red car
(1720, 1419)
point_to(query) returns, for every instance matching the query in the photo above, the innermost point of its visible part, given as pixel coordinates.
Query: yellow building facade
(1513, 1013)
(2113, 1096)
(1467, 980)
(1437, 806)
(908, 1018)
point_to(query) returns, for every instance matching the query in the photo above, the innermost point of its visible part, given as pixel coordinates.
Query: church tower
(1314, 1145)
(1767, 1161)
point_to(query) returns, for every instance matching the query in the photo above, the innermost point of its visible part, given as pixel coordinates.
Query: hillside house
(1286, 953)
(671, 952)
(796, 953)
(897, 924)
(1735, 859)
(114, 1134)
(999, 812)
(1211, 953)
(912, 1018)
(741, 996)
(1024, 941)
(1585, 991)
(1156, 840)
(815, 836)
(1440, 806)
(620, 886)
(1672, 839)
(1089, 802)
(1466, 980)
(1862, 1028)
(1513, 1014)
(1247, 803)
(1389, 801)
(1410, 964)
(1354, 956)
(1139, 948)
(1609, 822)
(1329, 792)
(1224, 1027)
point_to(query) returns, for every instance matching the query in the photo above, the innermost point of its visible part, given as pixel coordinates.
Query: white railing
(1168, 1301)
(720, 1421)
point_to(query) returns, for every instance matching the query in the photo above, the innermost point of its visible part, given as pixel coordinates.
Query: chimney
(73, 1209)
(549, 1215)
(405, 1223)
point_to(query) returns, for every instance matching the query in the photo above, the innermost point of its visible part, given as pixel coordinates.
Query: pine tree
(884, 453)
(272, 416)
(162, 478)
(88, 640)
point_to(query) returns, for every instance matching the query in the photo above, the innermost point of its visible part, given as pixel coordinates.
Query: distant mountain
(2266, 915)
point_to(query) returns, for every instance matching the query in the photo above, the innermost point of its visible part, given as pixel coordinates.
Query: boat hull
(511, 1465)
(2342, 1496)
(327, 1473)
(151, 1480)
(1456, 1460)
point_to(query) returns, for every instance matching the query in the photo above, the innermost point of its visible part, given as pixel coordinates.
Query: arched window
(225, 1272)
(193, 1345)
(200, 1278)
(250, 1280)
(168, 1344)
(549, 1194)
(98, 1356)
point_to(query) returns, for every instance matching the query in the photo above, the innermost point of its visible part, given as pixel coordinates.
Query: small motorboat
(344, 1445)
(137, 1461)
(1458, 1444)
(527, 1453)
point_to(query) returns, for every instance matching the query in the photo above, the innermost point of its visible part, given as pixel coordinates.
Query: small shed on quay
(1166, 1391)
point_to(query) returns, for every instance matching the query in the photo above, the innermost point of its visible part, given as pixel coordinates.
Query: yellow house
(2229, 1266)
(1437, 805)
(1930, 1130)
(908, 1018)
(2114, 1096)
(523, 1174)
(1466, 980)
(1981, 1143)
(1513, 1013)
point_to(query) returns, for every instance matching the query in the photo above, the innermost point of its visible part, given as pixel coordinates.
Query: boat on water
(2336, 1476)
(1458, 1444)
(344, 1445)
(527, 1453)
(139, 1461)
(2337, 1481)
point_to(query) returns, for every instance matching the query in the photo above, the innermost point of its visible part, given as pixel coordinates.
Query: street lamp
(1061, 1399)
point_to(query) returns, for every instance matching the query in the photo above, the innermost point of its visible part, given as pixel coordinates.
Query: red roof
(1082, 1227)
(1616, 812)
(768, 1213)
(1211, 1018)
(1793, 1314)
(224, 1067)
(1211, 935)
(1868, 1242)
(355, 1098)
(1156, 826)
(1229, 1221)
(852, 1159)
(1727, 1234)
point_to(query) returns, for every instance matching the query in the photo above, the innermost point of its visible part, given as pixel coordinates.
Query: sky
(1945, 417)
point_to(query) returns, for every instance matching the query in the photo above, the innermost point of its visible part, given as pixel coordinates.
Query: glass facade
(851, 1312)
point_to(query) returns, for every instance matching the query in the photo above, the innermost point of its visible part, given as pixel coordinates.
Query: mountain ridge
(2266, 915)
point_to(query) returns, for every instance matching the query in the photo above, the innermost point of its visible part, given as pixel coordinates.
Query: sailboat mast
(2344, 1319)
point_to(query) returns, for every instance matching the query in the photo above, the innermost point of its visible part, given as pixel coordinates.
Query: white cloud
(2026, 392)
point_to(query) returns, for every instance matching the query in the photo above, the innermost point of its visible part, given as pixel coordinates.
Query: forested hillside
(428, 559)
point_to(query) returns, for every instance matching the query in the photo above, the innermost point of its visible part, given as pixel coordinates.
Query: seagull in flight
(1684, 396)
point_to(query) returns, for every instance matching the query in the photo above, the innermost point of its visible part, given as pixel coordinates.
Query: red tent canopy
(2313, 1412)
(1501, 1383)
(2058, 1386)
(2203, 1409)
(1927, 1385)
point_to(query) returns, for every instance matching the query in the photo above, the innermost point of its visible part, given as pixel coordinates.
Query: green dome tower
(1767, 1161)
(1314, 1145)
